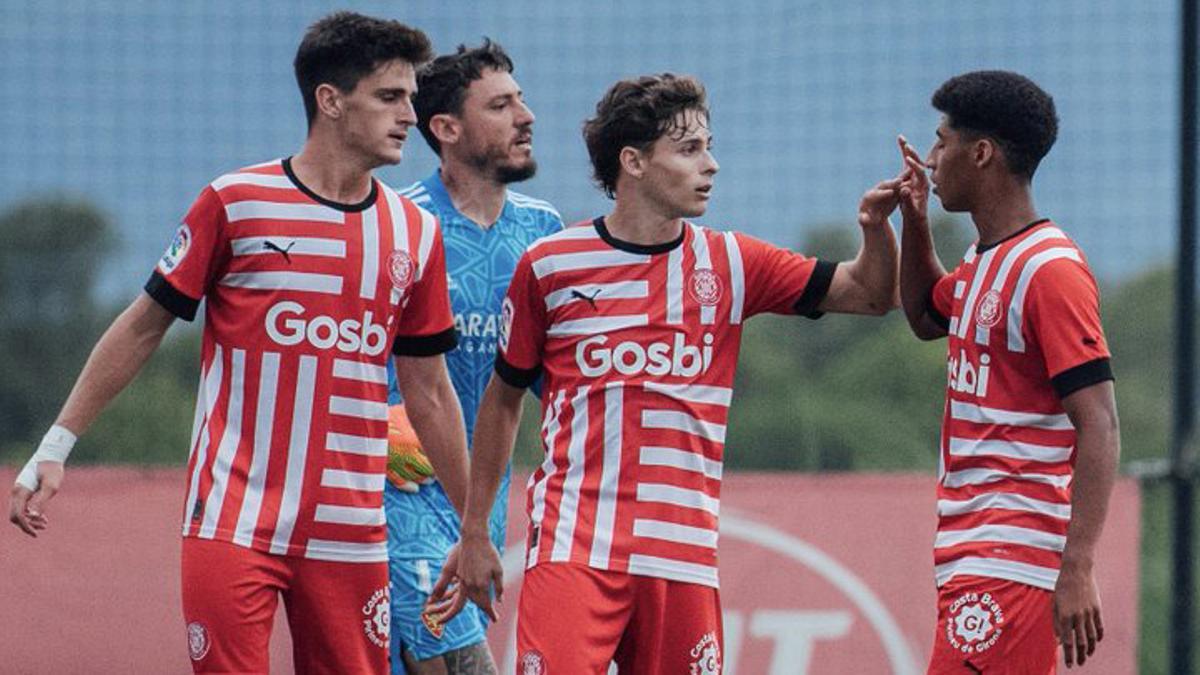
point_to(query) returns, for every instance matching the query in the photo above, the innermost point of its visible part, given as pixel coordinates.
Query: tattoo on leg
(473, 660)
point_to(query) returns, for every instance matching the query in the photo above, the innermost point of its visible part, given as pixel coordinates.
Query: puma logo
(272, 246)
(591, 299)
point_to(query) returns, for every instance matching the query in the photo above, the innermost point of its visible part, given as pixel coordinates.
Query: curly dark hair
(442, 83)
(1006, 107)
(344, 47)
(636, 113)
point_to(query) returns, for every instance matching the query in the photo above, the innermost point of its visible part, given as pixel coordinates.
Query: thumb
(38, 501)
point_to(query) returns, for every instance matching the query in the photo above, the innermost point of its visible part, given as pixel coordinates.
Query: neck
(1008, 209)
(331, 172)
(636, 222)
(478, 197)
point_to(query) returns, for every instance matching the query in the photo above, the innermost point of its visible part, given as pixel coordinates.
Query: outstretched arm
(867, 284)
(115, 361)
(1077, 620)
(920, 268)
(436, 416)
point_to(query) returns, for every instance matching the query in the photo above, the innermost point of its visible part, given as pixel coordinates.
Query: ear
(984, 152)
(446, 128)
(633, 162)
(329, 101)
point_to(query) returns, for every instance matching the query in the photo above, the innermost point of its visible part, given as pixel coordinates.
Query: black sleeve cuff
(1084, 375)
(514, 376)
(815, 291)
(938, 318)
(170, 298)
(425, 345)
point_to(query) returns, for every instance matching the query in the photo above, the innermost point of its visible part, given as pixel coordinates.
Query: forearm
(1097, 452)
(876, 268)
(114, 362)
(436, 416)
(920, 269)
(495, 432)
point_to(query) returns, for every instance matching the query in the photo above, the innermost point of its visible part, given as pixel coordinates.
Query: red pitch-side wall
(820, 574)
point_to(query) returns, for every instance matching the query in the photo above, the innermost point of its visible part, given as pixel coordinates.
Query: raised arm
(114, 362)
(1077, 619)
(436, 416)
(867, 284)
(920, 268)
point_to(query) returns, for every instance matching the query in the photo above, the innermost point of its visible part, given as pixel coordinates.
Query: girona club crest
(987, 312)
(401, 269)
(198, 642)
(533, 663)
(705, 287)
(706, 656)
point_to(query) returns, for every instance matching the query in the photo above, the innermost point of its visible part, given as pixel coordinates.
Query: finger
(17, 512)
(1080, 640)
(447, 577)
(37, 503)
(1089, 631)
(498, 583)
(1067, 636)
(1098, 621)
(484, 602)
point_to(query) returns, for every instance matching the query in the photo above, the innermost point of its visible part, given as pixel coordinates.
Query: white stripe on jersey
(256, 210)
(610, 474)
(212, 389)
(297, 456)
(289, 281)
(227, 449)
(596, 325)
(356, 445)
(981, 270)
(675, 286)
(566, 262)
(969, 256)
(413, 191)
(1016, 307)
(316, 246)
(573, 233)
(621, 290)
(348, 515)
(654, 455)
(356, 407)
(550, 429)
(568, 507)
(352, 480)
(677, 496)
(982, 334)
(425, 245)
(737, 278)
(359, 370)
(344, 551)
(957, 479)
(1033, 575)
(264, 428)
(1003, 500)
(258, 179)
(692, 393)
(676, 570)
(527, 202)
(369, 277)
(960, 287)
(970, 447)
(675, 532)
(681, 421)
(1003, 534)
(969, 412)
(708, 313)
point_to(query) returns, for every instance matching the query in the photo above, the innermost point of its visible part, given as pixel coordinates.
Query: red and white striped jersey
(637, 347)
(304, 298)
(1024, 331)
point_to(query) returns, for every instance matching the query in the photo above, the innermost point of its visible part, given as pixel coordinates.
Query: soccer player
(312, 271)
(634, 321)
(471, 112)
(1029, 434)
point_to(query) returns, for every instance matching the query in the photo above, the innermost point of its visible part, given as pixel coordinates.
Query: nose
(406, 115)
(525, 115)
(711, 165)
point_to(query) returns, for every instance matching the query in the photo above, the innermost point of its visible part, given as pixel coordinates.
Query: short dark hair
(442, 83)
(344, 47)
(1006, 107)
(636, 113)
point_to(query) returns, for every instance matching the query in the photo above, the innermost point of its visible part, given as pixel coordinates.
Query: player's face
(951, 168)
(680, 167)
(497, 128)
(378, 113)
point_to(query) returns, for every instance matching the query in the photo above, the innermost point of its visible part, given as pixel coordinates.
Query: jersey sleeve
(426, 324)
(1062, 315)
(941, 300)
(194, 259)
(780, 281)
(522, 328)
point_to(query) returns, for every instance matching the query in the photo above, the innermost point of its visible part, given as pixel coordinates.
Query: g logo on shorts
(974, 622)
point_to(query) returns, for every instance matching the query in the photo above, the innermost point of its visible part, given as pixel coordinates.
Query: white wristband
(56, 446)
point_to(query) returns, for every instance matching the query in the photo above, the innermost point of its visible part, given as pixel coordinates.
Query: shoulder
(251, 179)
(417, 193)
(540, 209)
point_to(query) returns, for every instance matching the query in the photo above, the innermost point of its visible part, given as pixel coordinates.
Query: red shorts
(573, 620)
(994, 626)
(338, 612)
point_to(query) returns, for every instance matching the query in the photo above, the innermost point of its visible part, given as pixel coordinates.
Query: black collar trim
(348, 208)
(1023, 230)
(631, 247)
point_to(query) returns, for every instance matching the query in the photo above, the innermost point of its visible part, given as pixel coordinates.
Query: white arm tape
(56, 446)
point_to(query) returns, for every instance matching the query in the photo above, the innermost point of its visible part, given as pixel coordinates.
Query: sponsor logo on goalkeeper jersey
(287, 325)
(629, 358)
(967, 378)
